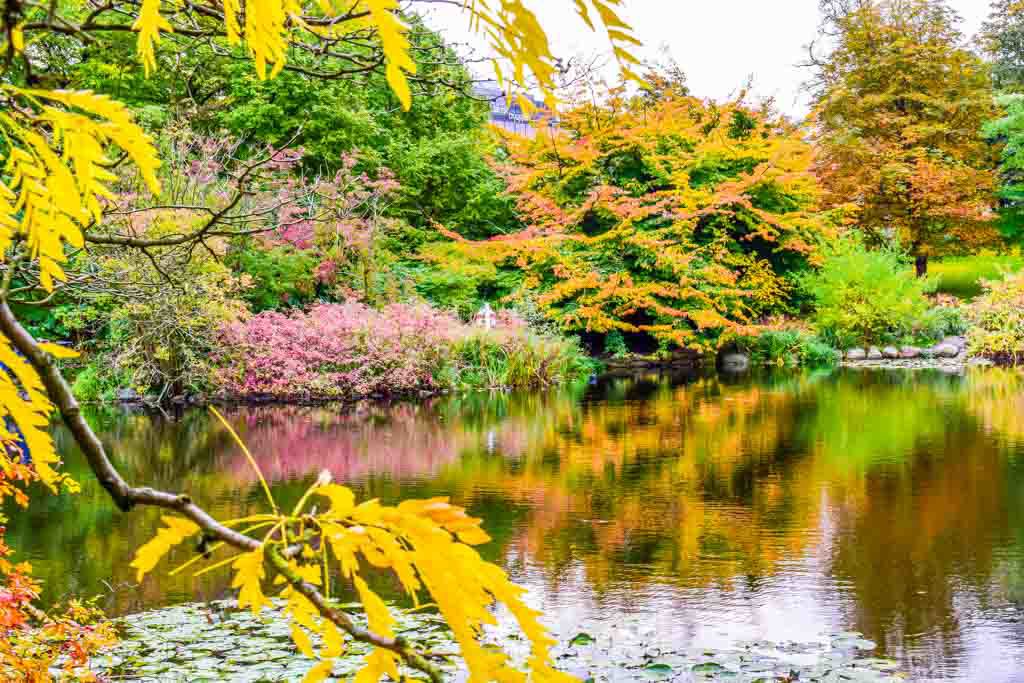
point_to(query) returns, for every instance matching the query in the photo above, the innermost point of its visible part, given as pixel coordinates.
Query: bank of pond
(678, 524)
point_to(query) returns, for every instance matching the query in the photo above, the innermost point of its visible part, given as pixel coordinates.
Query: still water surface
(709, 509)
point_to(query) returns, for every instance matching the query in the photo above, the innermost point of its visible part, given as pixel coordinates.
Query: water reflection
(778, 506)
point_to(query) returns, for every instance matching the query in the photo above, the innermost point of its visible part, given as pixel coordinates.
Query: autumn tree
(898, 108)
(60, 149)
(660, 216)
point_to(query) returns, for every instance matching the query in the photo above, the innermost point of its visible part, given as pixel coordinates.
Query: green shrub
(816, 353)
(942, 321)
(281, 277)
(92, 384)
(789, 348)
(866, 296)
(615, 344)
(998, 318)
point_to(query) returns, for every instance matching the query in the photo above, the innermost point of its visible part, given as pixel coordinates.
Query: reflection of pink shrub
(338, 350)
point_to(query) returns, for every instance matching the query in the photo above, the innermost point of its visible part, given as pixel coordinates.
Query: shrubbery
(789, 347)
(868, 296)
(998, 319)
(665, 218)
(157, 335)
(351, 350)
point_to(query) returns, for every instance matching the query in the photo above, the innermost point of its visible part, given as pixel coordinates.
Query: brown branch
(399, 645)
(127, 497)
(216, 217)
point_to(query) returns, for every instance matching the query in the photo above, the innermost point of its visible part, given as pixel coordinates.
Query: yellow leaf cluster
(425, 544)
(57, 168)
(25, 412)
(174, 532)
(508, 26)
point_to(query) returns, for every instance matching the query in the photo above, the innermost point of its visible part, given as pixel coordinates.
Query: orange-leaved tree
(59, 149)
(899, 106)
(678, 221)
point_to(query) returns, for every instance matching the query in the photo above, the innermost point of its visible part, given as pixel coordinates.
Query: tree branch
(127, 497)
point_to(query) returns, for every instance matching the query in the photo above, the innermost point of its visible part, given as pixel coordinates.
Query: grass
(517, 360)
(961, 276)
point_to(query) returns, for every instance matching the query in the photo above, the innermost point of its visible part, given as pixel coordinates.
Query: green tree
(1002, 37)
(1007, 132)
(437, 149)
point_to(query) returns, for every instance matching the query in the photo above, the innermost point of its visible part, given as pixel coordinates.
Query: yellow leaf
(302, 642)
(149, 24)
(378, 617)
(334, 641)
(473, 536)
(319, 672)
(177, 529)
(249, 573)
(342, 500)
(58, 351)
(395, 45)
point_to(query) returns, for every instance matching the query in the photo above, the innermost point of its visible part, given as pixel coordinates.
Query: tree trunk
(921, 264)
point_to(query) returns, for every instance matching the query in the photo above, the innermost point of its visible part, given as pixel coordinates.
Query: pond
(710, 509)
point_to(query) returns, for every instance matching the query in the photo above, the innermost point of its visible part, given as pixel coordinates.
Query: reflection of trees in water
(920, 502)
(689, 482)
(400, 441)
(666, 483)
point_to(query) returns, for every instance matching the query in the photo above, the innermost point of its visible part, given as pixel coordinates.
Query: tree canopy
(898, 111)
(661, 216)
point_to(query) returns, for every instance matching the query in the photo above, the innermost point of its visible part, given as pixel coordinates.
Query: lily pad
(582, 639)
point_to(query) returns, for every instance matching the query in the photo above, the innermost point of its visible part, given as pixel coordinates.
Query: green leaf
(582, 639)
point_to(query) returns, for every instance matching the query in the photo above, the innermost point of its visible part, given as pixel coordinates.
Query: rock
(891, 352)
(945, 351)
(959, 342)
(909, 352)
(856, 354)
(735, 361)
(874, 353)
(128, 395)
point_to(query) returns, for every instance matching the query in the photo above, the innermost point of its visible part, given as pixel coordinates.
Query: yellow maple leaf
(176, 530)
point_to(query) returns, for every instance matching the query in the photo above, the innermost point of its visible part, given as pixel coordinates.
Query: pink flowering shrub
(351, 350)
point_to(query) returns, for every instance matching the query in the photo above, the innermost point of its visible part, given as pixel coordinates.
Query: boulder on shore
(945, 351)
(909, 352)
(128, 395)
(891, 352)
(856, 354)
(959, 342)
(735, 361)
(874, 353)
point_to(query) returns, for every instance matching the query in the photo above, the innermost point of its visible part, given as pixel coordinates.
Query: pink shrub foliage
(351, 350)
(338, 350)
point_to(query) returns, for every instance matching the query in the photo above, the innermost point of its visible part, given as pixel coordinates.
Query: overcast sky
(719, 43)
